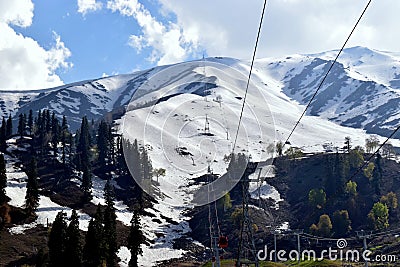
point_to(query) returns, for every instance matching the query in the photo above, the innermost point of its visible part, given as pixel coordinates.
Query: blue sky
(45, 43)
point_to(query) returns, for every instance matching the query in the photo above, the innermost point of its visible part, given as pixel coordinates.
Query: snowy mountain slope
(92, 98)
(361, 91)
(170, 120)
(172, 105)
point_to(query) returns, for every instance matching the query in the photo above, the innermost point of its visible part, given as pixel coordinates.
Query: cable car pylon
(246, 238)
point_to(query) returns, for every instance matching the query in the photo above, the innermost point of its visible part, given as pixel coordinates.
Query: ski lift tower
(207, 126)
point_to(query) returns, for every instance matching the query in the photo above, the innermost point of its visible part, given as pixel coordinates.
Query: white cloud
(229, 27)
(167, 42)
(19, 13)
(85, 6)
(24, 63)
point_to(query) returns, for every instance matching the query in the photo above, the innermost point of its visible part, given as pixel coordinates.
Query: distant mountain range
(362, 90)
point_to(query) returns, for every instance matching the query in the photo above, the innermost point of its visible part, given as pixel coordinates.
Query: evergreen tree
(379, 216)
(3, 180)
(32, 188)
(324, 225)
(55, 134)
(3, 136)
(30, 122)
(64, 138)
(86, 185)
(47, 121)
(147, 168)
(102, 143)
(83, 146)
(135, 239)
(9, 127)
(57, 241)
(93, 251)
(73, 248)
(341, 223)
(110, 231)
(377, 174)
(21, 125)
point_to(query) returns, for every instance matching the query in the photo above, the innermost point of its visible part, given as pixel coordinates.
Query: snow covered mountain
(361, 91)
(187, 115)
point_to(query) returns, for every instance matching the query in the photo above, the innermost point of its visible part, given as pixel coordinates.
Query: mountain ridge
(362, 90)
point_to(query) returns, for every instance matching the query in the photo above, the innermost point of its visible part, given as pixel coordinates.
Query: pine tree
(86, 185)
(3, 180)
(47, 121)
(147, 169)
(110, 231)
(55, 131)
(93, 251)
(32, 188)
(57, 241)
(21, 125)
(9, 127)
(3, 136)
(30, 122)
(377, 174)
(135, 239)
(73, 248)
(102, 143)
(83, 147)
(64, 139)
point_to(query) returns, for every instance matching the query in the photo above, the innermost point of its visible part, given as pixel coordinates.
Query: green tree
(341, 223)
(83, 146)
(135, 239)
(73, 248)
(371, 143)
(159, 172)
(32, 188)
(9, 127)
(324, 225)
(390, 200)
(3, 136)
(110, 231)
(356, 157)
(237, 216)
(317, 198)
(227, 202)
(64, 138)
(351, 188)
(30, 122)
(279, 148)
(347, 143)
(377, 174)
(93, 251)
(379, 216)
(313, 229)
(86, 184)
(21, 125)
(55, 134)
(102, 143)
(388, 150)
(369, 170)
(294, 152)
(57, 241)
(3, 180)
